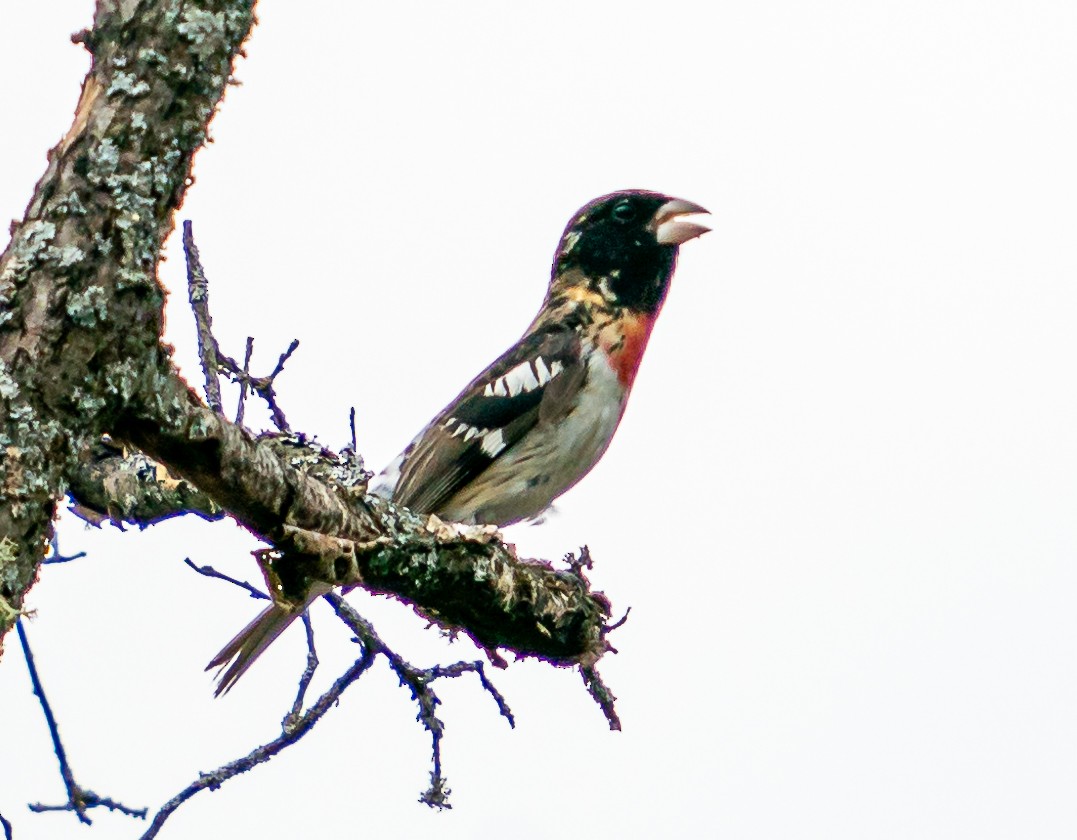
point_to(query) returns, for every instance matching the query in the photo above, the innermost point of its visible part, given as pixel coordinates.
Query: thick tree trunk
(80, 305)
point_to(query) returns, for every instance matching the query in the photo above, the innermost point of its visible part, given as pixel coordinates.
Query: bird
(536, 420)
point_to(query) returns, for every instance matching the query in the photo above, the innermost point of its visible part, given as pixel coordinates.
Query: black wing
(535, 380)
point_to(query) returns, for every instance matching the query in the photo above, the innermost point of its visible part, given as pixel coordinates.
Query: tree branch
(198, 295)
(79, 799)
(110, 484)
(298, 723)
(81, 305)
(215, 778)
(291, 494)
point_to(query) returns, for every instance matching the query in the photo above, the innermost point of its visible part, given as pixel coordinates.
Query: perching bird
(539, 418)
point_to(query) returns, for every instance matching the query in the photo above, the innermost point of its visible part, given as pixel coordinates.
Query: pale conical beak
(668, 227)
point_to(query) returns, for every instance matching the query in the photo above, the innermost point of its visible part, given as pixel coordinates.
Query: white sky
(842, 504)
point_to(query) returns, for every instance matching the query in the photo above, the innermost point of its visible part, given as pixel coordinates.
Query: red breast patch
(625, 354)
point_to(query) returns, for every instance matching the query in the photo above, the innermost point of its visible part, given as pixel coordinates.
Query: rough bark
(80, 356)
(80, 305)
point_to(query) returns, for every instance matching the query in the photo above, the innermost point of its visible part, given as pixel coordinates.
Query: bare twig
(7, 828)
(215, 778)
(263, 386)
(241, 408)
(209, 571)
(351, 424)
(477, 667)
(79, 799)
(56, 557)
(580, 565)
(601, 694)
(609, 628)
(62, 558)
(209, 350)
(418, 681)
(307, 675)
(198, 294)
(89, 799)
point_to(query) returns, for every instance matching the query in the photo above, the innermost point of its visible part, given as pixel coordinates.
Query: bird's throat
(624, 339)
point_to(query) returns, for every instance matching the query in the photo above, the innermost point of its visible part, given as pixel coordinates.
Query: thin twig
(287, 354)
(198, 295)
(244, 379)
(209, 571)
(264, 388)
(73, 797)
(209, 350)
(477, 667)
(79, 799)
(62, 558)
(7, 827)
(56, 557)
(601, 694)
(609, 628)
(418, 681)
(261, 385)
(307, 675)
(92, 800)
(351, 423)
(215, 778)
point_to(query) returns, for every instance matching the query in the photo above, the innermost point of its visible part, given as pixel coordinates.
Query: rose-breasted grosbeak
(539, 418)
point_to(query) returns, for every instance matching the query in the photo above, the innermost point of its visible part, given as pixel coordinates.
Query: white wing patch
(520, 379)
(492, 440)
(525, 377)
(541, 371)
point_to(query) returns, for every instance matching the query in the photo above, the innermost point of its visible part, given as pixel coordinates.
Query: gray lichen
(31, 245)
(104, 160)
(66, 256)
(127, 84)
(202, 29)
(87, 307)
(9, 554)
(9, 388)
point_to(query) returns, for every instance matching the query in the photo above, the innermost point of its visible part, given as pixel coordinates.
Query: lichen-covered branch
(312, 507)
(110, 484)
(80, 305)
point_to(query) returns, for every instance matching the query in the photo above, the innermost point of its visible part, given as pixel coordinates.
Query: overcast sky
(843, 501)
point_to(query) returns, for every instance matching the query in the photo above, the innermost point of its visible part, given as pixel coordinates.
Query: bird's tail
(249, 643)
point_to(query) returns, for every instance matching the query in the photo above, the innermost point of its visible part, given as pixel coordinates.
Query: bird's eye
(623, 212)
